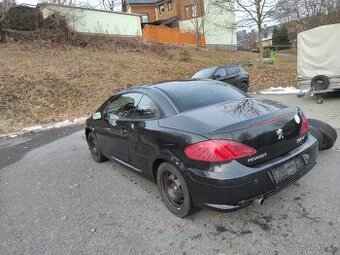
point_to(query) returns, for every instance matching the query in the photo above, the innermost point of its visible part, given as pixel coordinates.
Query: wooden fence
(164, 34)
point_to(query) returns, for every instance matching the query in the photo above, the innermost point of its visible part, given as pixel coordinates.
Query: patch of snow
(65, 123)
(281, 91)
(33, 128)
(49, 126)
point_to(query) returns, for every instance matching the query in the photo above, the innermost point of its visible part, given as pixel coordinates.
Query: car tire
(243, 86)
(174, 190)
(95, 148)
(328, 132)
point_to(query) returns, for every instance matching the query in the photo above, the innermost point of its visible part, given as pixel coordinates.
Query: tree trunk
(2, 35)
(259, 39)
(197, 33)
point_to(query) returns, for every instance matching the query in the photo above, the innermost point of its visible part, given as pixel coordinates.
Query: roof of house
(142, 1)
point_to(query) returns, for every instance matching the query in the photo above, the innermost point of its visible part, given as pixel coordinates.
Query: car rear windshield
(192, 95)
(204, 73)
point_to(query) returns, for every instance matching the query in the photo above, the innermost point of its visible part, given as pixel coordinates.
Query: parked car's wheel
(243, 86)
(174, 190)
(329, 134)
(94, 148)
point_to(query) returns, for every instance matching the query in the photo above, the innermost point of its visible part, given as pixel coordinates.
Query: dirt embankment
(49, 76)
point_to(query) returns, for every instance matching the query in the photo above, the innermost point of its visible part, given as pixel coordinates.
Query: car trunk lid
(272, 135)
(268, 126)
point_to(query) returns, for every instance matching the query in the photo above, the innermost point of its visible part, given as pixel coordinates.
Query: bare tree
(254, 12)
(199, 13)
(204, 21)
(109, 5)
(308, 13)
(5, 7)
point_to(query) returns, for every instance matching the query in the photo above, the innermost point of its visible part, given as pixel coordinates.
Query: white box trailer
(318, 59)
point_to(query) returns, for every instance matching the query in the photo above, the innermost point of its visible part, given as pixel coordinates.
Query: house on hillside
(267, 37)
(94, 21)
(216, 24)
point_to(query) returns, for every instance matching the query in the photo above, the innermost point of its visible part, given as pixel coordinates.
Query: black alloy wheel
(94, 148)
(174, 190)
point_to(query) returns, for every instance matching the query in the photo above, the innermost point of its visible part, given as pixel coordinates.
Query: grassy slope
(52, 85)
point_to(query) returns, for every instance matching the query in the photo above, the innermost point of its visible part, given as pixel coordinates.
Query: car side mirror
(216, 76)
(96, 116)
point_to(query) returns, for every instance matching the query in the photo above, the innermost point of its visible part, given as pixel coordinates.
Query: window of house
(187, 12)
(194, 10)
(169, 6)
(161, 8)
(145, 18)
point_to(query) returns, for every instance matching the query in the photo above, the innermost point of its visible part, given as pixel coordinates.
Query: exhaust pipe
(260, 200)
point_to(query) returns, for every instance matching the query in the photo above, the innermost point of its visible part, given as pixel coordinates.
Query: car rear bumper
(233, 186)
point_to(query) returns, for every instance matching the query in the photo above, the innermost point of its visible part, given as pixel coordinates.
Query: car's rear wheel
(94, 148)
(243, 86)
(174, 190)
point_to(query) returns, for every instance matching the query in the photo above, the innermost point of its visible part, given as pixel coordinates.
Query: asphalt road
(54, 199)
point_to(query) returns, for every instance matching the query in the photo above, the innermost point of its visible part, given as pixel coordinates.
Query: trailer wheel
(318, 100)
(320, 82)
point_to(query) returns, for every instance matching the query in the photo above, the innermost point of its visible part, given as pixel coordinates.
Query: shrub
(23, 18)
(184, 55)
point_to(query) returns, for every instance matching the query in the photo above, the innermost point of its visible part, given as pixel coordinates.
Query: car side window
(232, 70)
(221, 72)
(122, 107)
(146, 109)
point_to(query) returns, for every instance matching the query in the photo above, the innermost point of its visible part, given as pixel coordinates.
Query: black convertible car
(204, 143)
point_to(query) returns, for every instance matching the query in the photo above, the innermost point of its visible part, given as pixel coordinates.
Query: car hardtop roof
(159, 85)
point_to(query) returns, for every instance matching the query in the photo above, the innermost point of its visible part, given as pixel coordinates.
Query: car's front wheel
(94, 148)
(174, 190)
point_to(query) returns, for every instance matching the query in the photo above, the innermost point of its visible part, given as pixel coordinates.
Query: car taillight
(218, 151)
(304, 126)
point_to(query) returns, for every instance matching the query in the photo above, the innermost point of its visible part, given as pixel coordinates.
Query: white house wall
(90, 21)
(218, 29)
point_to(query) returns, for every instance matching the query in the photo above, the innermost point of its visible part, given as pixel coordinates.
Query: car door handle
(123, 131)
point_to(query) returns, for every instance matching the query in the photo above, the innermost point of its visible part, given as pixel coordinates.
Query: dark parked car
(233, 75)
(205, 143)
